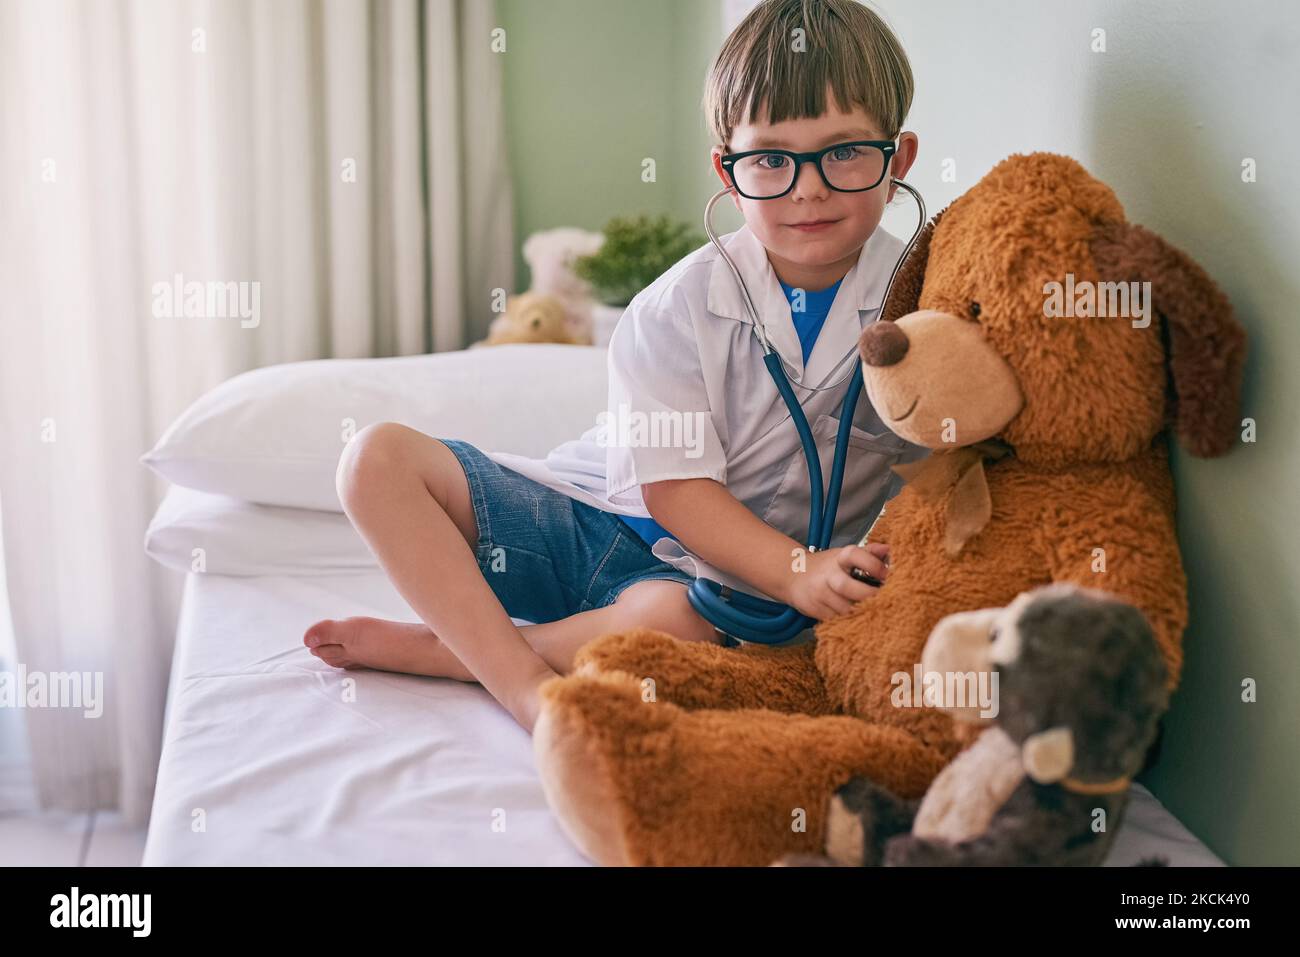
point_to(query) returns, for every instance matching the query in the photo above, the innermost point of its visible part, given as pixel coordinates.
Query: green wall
(592, 88)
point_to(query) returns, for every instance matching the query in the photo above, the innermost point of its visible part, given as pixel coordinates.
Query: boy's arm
(712, 523)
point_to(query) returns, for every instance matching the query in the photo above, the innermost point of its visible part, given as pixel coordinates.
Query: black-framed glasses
(852, 167)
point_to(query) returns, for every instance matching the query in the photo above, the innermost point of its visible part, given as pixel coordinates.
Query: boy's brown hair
(846, 47)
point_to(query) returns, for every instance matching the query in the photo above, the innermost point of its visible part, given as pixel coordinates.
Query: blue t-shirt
(808, 323)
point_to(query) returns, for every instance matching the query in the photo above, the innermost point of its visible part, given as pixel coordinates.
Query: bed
(271, 757)
(290, 761)
(285, 760)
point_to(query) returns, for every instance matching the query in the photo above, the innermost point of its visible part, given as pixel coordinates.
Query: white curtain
(344, 159)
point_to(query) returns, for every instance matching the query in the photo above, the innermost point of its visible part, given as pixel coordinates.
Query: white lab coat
(684, 346)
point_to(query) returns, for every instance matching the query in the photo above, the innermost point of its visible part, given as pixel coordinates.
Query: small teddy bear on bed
(1080, 689)
(529, 317)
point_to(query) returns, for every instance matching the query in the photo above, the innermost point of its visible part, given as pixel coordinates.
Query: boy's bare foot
(406, 647)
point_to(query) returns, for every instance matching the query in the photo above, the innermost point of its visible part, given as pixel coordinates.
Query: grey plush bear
(1079, 690)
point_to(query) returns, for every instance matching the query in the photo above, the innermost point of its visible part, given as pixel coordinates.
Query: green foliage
(637, 251)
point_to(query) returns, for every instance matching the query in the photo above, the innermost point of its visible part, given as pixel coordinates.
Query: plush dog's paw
(578, 740)
(643, 652)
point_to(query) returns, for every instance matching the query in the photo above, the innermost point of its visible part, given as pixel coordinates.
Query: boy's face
(814, 258)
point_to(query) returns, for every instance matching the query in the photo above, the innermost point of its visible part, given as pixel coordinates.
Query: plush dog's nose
(882, 344)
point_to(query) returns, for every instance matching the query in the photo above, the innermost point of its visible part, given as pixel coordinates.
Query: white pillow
(201, 532)
(274, 435)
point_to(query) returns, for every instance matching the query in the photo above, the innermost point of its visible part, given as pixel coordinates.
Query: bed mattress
(272, 757)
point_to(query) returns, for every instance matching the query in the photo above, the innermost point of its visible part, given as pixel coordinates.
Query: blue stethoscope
(748, 617)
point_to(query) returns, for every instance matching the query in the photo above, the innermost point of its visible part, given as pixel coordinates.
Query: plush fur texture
(735, 758)
(1082, 665)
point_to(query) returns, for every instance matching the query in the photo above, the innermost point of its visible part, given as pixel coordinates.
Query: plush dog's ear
(906, 291)
(1206, 346)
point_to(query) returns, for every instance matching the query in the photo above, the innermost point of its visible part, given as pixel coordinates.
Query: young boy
(613, 541)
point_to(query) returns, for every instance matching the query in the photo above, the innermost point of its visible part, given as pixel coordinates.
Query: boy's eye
(844, 153)
(771, 160)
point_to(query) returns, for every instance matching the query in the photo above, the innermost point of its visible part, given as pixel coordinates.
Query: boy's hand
(825, 588)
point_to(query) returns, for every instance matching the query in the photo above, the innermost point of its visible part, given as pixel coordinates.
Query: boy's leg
(407, 496)
(658, 603)
(411, 648)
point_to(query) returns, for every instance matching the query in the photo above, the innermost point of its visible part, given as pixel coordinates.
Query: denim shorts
(547, 556)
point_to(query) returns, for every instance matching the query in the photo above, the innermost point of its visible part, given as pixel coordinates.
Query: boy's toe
(319, 634)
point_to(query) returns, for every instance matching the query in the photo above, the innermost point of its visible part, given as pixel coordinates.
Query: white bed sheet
(266, 761)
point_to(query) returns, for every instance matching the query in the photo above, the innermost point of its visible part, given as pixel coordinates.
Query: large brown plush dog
(662, 752)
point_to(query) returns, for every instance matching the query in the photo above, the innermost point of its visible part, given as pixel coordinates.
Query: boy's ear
(906, 291)
(1205, 345)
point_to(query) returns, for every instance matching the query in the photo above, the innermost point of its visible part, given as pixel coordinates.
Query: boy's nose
(808, 182)
(882, 344)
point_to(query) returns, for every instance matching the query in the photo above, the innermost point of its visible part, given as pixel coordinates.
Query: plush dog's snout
(936, 379)
(883, 344)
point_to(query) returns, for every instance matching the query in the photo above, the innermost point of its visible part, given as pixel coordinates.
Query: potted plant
(637, 251)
